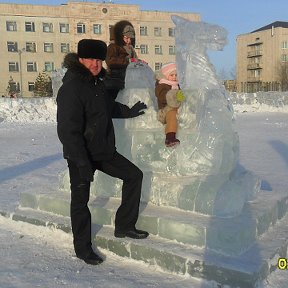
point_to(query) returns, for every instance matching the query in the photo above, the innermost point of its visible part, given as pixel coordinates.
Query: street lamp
(20, 67)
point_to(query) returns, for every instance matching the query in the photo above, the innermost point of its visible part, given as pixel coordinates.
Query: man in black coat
(85, 128)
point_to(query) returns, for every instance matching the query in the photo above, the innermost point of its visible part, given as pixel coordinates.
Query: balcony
(254, 53)
(254, 66)
(254, 79)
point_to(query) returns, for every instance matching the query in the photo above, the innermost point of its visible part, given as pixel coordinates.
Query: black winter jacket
(84, 115)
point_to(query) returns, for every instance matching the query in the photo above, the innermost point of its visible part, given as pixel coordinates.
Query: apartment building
(261, 55)
(36, 38)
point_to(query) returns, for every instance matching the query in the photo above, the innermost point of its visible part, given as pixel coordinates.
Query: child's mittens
(180, 96)
(133, 60)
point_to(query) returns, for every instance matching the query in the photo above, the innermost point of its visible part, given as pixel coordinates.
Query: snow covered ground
(31, 156)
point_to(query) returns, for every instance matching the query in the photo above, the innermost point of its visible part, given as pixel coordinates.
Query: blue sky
(237, 17)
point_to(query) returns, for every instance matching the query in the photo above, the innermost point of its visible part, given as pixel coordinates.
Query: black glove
(86, 173)
(136, 109)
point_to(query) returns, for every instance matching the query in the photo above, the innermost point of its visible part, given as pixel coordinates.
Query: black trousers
(126, 215)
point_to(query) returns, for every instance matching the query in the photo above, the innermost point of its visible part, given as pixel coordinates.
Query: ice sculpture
(202, 173)
(56, 77)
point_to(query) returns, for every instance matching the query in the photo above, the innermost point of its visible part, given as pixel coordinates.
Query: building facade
(262, 58)
(36, 38)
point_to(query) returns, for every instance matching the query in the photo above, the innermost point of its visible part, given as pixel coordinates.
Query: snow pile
(26, 110)
(260, 102)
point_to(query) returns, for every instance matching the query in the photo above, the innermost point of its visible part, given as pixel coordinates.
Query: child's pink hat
(168, 68)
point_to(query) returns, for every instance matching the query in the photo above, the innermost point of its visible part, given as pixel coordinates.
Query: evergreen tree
(12, 88)
(43, 86)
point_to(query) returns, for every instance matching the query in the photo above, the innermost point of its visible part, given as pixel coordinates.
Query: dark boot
(171, 139)
(92, 258)
(132, 233)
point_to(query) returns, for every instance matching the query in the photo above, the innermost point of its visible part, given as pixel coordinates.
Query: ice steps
(228, 236)
(244, 271)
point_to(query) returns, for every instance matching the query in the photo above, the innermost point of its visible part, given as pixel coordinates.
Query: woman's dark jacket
(117, 61)
(84, 115)
(117, 58)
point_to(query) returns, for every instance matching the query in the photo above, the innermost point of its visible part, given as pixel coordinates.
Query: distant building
(262, 59)
(36, 38)
(230, 85)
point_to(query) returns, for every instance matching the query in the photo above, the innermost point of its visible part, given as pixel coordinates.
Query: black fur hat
(90, 48)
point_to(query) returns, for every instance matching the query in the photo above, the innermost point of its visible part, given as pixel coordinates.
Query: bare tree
(233, 73)
(223, 74)
(283, 75)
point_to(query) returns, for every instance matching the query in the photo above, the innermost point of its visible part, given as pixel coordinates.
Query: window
(255, 73)
(143, 31)
(12, 46)
(172, 50)
(11, 26)
(31, 86)
(158, 49)
(14, 87)
(143, 49)
(48, 47)
(29, 26)
(31, 67)
(13, 67)
(284, 57)
(81, 28)
(258, 47)
(157, 31)
(285, 45)
(171, 32)
(97, 29)
(30, 47)
(110, 32)
(64, 28)
(65, 48)
(158, 66)
(48, 27)
(49, 66)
